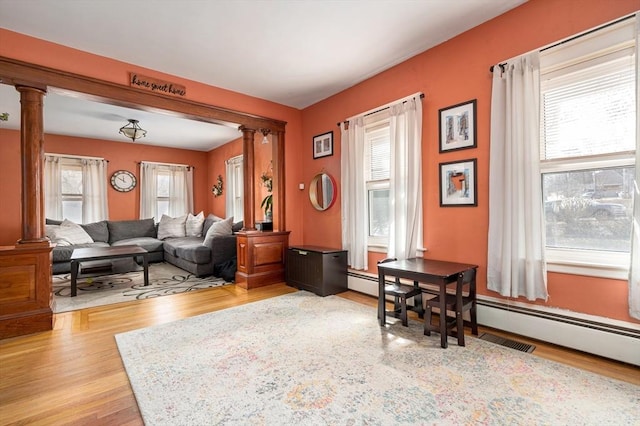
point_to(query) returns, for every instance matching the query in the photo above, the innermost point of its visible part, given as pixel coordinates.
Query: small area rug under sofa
(164, 280)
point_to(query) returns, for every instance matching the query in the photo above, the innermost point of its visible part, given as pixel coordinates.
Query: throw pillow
(210, 220)
(98, 231)
(221, 227)
(67, 234)
(171, 227)
(193, 226)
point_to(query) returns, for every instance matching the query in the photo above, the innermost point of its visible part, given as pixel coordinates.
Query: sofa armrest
(223, 248)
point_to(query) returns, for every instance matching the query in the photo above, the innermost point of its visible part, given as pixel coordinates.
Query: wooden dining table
(427, 271)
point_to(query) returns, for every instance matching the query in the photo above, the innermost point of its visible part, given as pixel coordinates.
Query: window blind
(589, 112)
(379, 157)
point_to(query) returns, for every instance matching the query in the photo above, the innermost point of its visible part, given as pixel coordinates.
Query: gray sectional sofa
(188, 253)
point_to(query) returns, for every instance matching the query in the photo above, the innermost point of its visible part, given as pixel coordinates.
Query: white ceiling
(293, 52)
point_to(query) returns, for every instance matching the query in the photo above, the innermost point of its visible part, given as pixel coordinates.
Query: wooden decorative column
(32, 150)
(261, 255)
(25, 270)
(248, 169)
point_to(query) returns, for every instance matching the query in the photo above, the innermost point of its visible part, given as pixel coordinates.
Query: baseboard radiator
(612, 339)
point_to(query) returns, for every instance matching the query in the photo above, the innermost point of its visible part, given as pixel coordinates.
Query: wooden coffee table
(93, 254)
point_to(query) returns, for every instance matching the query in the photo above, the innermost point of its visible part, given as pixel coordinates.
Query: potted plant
(267, 202)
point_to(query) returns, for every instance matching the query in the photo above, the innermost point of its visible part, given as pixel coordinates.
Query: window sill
(589, 263)
(383, 249)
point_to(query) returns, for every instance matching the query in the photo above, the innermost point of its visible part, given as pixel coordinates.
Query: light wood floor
(74, 374)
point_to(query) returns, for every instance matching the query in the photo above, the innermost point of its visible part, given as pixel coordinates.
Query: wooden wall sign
(154, 85)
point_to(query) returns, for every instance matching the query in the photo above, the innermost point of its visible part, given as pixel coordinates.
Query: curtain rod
(82, 157)
(575, 37)
(166, 164)
(383, 107)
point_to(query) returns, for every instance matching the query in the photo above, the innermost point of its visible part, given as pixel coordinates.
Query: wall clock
(123, 181)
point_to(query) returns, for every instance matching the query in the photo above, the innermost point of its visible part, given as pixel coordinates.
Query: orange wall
(217, 166)
(262, 160)
(454, 72)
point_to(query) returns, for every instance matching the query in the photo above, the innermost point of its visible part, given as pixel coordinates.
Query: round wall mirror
(322, 191)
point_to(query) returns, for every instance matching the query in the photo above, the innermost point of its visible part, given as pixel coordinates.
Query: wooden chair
(463, 300)
(402, 292)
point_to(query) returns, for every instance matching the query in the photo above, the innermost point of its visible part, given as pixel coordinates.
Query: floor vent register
(513, 344)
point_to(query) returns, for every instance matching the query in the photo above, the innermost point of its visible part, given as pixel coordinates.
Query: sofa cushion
(196, 253)
(171, 244)
(193, 225)
(148, 243)
(125, 229)
(67, 234)
(63, 253)
(171, 227)
(97, 230)
(222, 227)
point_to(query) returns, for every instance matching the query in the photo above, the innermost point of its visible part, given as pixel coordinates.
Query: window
(162, 192)
(382, 204)
(587, 152)
(75, 188)
(235, 188)
(378, 162)
(71, 196)
(165, 189)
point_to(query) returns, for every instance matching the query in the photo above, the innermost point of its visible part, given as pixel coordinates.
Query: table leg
(74, 277)
(381, 307)
(443, 314)
(145, 265)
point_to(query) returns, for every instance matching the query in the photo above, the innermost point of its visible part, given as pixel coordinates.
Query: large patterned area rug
(164, 279)
(300, 359)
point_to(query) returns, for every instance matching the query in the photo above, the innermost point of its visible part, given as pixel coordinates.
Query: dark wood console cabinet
(317, 269)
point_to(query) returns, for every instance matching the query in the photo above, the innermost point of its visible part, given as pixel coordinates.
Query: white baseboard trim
(612, 339)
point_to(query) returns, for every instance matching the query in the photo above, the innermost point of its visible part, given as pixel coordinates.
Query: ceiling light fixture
(265, 133)
(133, 130)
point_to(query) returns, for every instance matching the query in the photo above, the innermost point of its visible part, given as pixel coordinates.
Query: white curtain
(180, 189)
(634, 269)
(516, 264)
(94, 190)
(148, 190)
(405, 179)
(52, 187)
(354, 194)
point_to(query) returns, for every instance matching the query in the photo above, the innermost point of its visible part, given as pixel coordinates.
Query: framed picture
(458, 185)
(458, 126)
(323, 145)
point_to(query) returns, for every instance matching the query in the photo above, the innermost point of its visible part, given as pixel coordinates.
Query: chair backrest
(466, 278)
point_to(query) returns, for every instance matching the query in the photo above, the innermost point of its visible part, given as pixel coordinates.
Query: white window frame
(595, 48)
(375, 129)
(74, 164)
(235, 188)
(161, 171)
